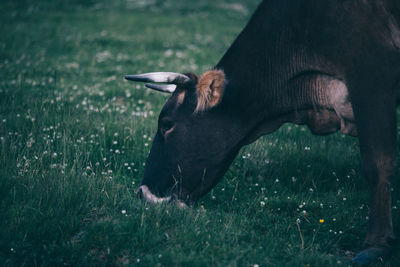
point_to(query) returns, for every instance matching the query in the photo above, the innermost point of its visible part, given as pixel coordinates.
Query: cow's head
(196, 139)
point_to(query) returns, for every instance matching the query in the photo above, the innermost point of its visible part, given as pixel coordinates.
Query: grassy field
(74, 137)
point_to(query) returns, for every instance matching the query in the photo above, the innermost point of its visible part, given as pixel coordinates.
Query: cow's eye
(166, 127)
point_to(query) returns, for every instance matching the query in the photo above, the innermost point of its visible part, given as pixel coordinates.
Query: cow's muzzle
(144, 193)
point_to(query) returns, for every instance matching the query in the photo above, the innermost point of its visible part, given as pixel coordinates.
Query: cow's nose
(139, 193)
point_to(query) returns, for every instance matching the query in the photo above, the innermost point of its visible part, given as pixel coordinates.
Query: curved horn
(159, 77)
(165, 88)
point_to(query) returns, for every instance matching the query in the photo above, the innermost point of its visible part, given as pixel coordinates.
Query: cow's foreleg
(375, 114)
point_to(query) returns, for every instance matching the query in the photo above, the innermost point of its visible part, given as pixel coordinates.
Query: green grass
(74, 137)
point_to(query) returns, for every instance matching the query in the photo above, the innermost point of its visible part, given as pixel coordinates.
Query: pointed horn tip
(130, 77)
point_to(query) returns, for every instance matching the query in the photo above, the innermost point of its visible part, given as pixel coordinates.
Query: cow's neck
(275, 77)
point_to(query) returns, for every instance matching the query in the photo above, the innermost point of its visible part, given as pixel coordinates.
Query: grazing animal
(332, 65)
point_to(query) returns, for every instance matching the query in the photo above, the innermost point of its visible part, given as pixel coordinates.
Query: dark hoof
(370, 255)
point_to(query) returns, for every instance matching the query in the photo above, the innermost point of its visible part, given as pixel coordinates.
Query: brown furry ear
(210, 89)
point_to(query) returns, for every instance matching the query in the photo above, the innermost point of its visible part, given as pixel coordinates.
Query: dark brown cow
(333, 65)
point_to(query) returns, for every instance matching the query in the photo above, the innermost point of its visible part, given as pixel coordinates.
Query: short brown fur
(210, 89)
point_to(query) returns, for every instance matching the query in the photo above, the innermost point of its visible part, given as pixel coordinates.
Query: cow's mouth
(144, 193)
